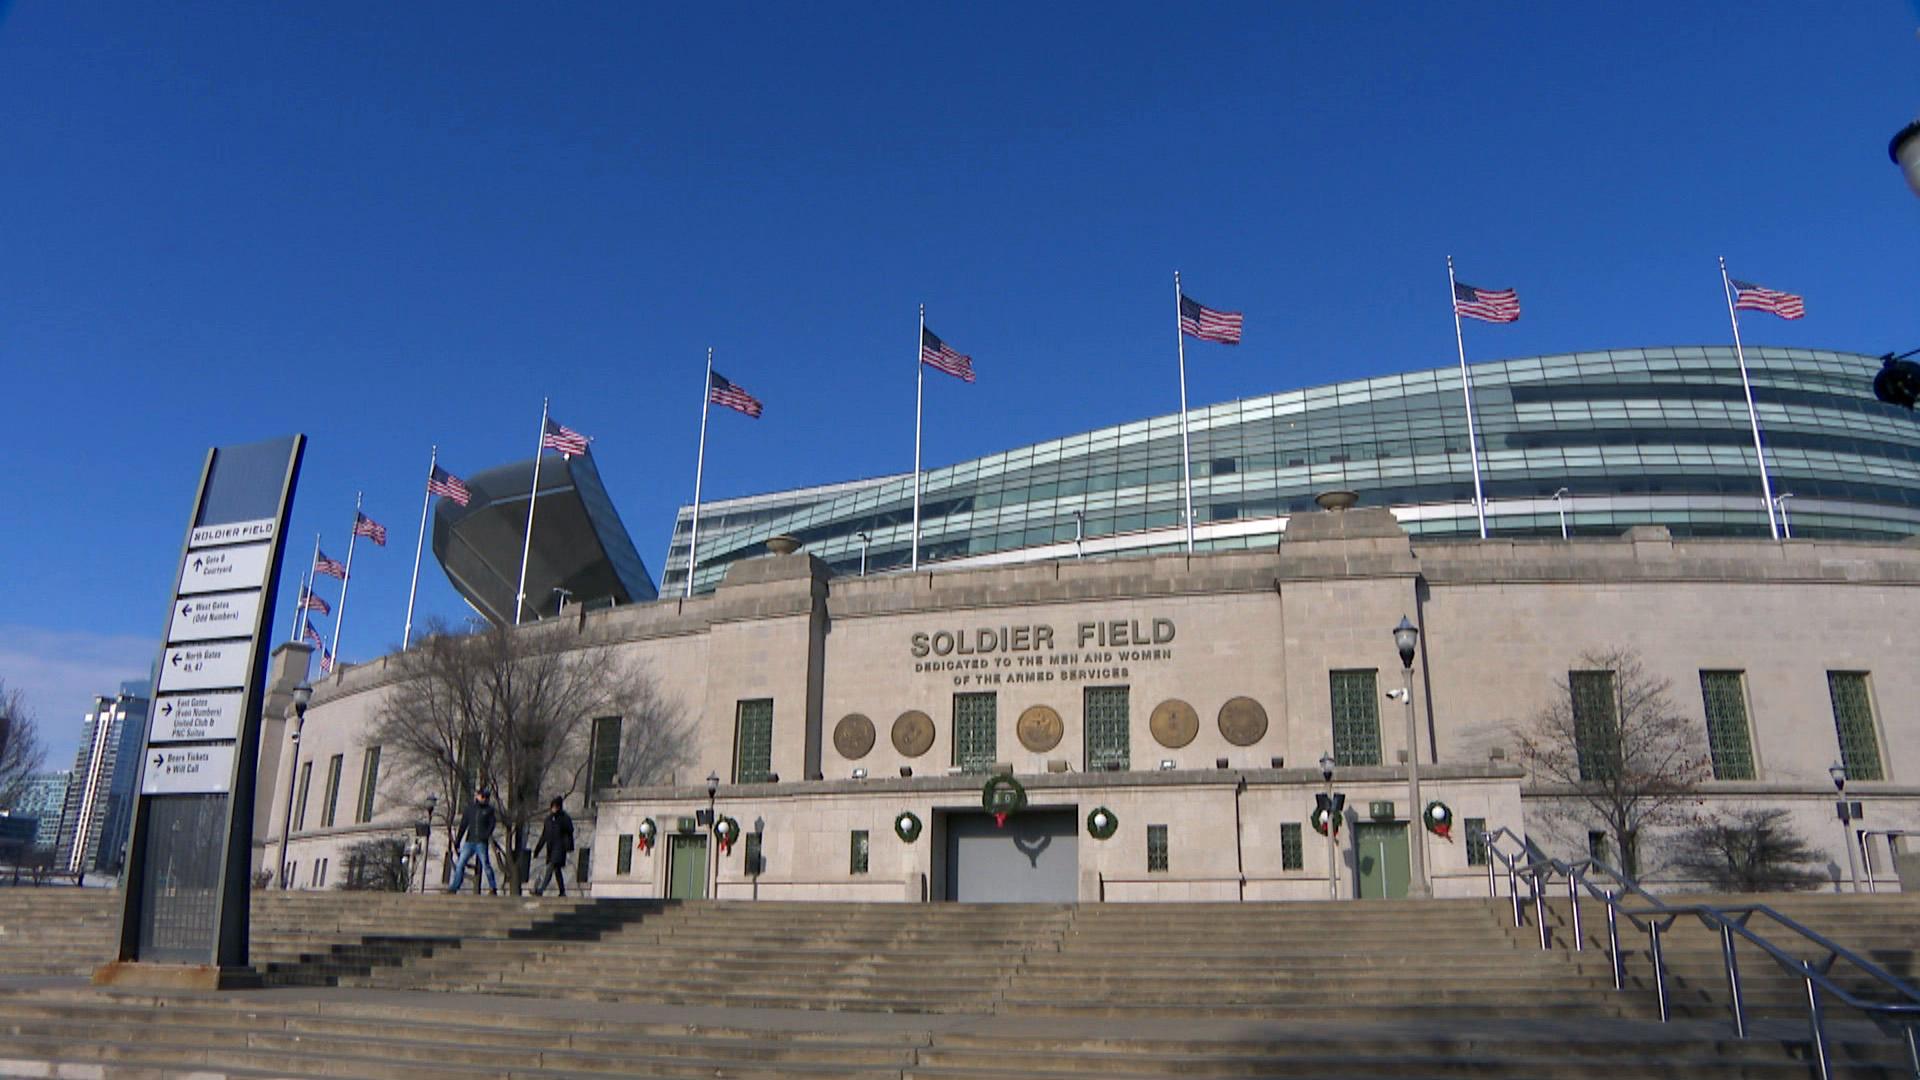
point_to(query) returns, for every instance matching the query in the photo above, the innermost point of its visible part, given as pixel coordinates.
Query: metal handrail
(1658, 916)
(1865, 838)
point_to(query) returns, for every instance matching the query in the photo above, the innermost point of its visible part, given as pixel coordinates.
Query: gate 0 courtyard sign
(187, 871)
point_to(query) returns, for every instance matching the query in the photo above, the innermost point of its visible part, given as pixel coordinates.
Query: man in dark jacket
(476, 831)
(556, 839)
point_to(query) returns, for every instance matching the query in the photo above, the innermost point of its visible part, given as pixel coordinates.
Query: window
(606, 754)
(332, 802)
(623, 856)
(1356, 717)
(1853, 720)
(369, 783)
(753, 741)
(1596, 727)
(1292, 857)
(975, 719)
(320, 873)
(1107, 735)
(1597, 846)
(1728, 739)
(1156, 849)
(857, 857)
(1477, 841)
(300, 805)
(582, 865)
(754, 867)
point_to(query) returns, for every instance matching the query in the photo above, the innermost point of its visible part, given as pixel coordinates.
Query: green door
(687, 867)
(1380, 848)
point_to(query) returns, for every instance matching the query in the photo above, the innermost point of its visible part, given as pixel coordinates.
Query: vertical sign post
(187, 873)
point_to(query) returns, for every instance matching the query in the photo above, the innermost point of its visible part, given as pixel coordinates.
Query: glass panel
(753, 742)
(975, 718)
(1356, 717)
(1853, 719)
(333, 791)
(300, 807)
(606, 753)
(1728, 738)
(623, 856)
(1596, 730)
(1292, 857)
(369, 784)
(858, 857)
(1156, 848)
(1107, 735)
(1476, 841)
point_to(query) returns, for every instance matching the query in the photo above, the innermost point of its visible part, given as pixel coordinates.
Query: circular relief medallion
(1040, 729)
(913, 733)
(1174, 723)
(1243, 721)
(853, 736)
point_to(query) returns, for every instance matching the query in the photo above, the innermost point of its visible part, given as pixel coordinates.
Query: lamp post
(1845, 812)
(302, 697)
(1333, 852)
(1559, 498)
(865, 540)
(1406, 638)
(426, 840)
(1780, 502)
(1079, 533)
(713, 821)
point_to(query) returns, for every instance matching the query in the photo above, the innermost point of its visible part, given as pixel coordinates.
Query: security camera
(1397, 695)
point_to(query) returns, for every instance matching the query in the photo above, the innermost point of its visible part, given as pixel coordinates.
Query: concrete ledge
(132, 975)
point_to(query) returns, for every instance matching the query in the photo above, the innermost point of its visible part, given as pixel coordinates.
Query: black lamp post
(1844, 810)
(1330, 804)
(713, 828)
(426, 840)
(1406, 639)
(302, 697)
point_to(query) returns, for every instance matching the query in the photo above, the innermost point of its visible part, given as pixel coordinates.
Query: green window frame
(1293, 855)
(1596, 724)
(1108, 722)
(369, 786)
(858, 853)
(1729, 739)
(1356, 716)
(753, 741)
(328, 809)
(604, 767)
(300, 809)
(623, 855)
(1156, 849)
(1477, 850)
(976, 721)
(1853, 723)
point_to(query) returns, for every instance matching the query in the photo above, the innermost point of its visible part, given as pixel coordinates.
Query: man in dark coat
(556, 839)
(476, 832)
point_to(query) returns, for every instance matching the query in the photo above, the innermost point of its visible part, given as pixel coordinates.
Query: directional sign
(196, 717)
(221, 666)
(241, 567)
(236, 532)
(206, 618)
(188, 770)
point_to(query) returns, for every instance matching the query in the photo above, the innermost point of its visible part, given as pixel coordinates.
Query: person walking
(556, 839)
(476, 832)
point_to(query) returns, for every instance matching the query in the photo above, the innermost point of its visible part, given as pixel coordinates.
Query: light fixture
(1278, 763)
(1905, 152)
(713, 785)
(1406, 637)
(302, 697)
(1326, 767)
(906, 770)
(859, 774)
(1167, 764)
(1219, 763)
(1839, 774)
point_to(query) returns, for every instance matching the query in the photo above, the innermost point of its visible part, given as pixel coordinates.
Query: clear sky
(393, 225)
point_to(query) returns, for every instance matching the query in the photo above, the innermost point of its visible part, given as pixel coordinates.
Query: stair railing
(1899, 1017)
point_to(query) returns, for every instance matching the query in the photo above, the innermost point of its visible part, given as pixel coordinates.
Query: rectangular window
(300, 805)
(623, 855)
(369, 784)
(583, 865)
(1476, 841)
(1597, 846)
(1292, 856)
(333, 790)
(1729, 740)
(320, 874)
(975, 724)
(857, 857)
(606, 754)
(1596, 726)
(754, 866)
(1853, 720)
(753, 741)
(1356, 717)
(1108, 738)
(1156, 849)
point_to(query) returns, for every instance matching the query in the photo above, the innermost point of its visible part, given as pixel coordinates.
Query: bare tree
(1752, 850)
(21, 754)
(1613, 755)
(377, 865)
(503, 708)
(655, 739)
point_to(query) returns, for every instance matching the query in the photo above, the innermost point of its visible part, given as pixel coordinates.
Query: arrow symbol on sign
(186, 609)
(167, 709)
(174, 660)
(196, 564)
(159, 760)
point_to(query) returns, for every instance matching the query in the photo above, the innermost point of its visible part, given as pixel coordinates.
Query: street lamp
(1558, 501)
(713, 821)
(1406, 638)
(1845, 812)
(1905, 152)
(1333, 852)
(302, 697)
(426, 840)
(1780, 502)
(865, 540)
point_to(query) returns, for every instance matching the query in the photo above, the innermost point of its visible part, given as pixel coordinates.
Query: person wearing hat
(556, 839)
(476, 831)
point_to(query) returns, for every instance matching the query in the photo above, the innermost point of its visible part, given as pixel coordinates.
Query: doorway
(1034, 858)
(1381, 854)
(687, 867)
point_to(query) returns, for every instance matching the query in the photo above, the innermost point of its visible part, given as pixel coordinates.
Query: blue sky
(391, 225)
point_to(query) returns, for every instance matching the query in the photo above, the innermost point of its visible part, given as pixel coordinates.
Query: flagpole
(1186, 461)
(1466, 393)
(533, 496)
(307, 589)
(300, 605)
(340, 616)
(406, 635)
(699, 466)
(919, 392)
(1753, 415)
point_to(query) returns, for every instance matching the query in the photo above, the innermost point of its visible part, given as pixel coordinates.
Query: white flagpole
(1466, 392)
(919, 392)
(406, 635)
(1186, 462)
(340, 616)
(306, 588)
(300, 605)
(699, 466)
(1753, 416)
(533, 496)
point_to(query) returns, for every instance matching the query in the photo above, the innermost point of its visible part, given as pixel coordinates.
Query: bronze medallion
(1243, 721)
(913, 733)
(1040, 729)
(1174, 723)
(853, 736)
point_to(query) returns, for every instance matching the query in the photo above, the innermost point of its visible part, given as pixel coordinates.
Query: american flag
(1750, 297)
(326, 661)
(941, 356)
(442, 482)
(369, 528)
(333, 568)
(1200, 321)
(312, 636)
(560, 437)
(1488, 305)
(722, 392)
(313, 601)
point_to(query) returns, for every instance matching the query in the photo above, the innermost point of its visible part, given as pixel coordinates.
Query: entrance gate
(686, 867)
(1380, 850)
(1034, 858)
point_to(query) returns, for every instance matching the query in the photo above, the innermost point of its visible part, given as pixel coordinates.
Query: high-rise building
(98, 807)
(42, 798)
